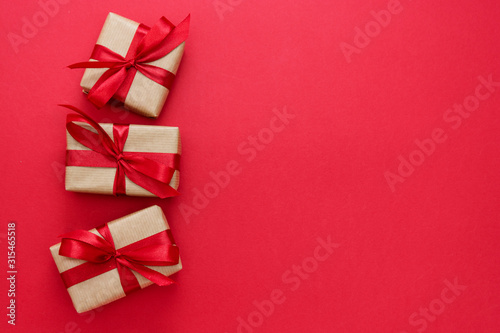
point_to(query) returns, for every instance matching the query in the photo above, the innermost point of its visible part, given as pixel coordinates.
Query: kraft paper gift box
(88, 289)
(144, 96)
(159, 143)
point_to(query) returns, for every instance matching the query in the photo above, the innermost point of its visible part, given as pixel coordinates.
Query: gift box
(109, 262)
(134, 160)
(134, 63)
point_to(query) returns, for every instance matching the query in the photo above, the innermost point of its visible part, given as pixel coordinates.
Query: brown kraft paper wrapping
(106, 288)
(141, 138)
(145, 96)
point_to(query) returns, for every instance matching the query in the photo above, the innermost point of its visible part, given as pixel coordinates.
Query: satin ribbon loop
(101, 256)
(151, 175)
(156, 43)
(87, 246)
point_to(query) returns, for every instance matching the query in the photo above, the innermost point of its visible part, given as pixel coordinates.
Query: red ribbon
(156, 43)
(102, 256)
(152, 171)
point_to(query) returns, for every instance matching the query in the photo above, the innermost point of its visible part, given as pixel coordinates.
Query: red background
(322, 175)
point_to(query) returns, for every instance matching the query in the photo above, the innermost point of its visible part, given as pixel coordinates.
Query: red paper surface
(322, 173)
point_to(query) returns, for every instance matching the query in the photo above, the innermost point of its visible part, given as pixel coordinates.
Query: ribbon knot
(150, 174)
(102, 256)
(119, 157)
(131, 63)
(151, 44)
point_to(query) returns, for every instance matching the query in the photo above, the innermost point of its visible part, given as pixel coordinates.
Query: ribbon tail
(97, 64)
(150, 168)
(158, 188)
(148, 273)
(127, 279)
(157, 74)
(154, 255)
(119, 187)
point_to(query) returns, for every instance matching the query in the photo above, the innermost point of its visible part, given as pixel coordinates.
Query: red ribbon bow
(159, 41)
(102, 256)
(148, 173)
